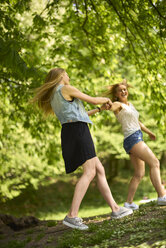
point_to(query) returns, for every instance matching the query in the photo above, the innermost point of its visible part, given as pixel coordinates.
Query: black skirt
(77, 145)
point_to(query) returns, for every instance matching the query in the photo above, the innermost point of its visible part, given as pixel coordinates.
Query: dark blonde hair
(44, 93)
(112, 90)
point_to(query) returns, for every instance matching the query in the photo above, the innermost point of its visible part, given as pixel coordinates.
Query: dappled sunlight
(53, 199)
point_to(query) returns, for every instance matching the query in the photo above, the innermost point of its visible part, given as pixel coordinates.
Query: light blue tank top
(68, 111)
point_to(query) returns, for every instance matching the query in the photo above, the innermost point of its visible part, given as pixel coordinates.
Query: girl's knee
(90, 172)
(100, 168)
(155, 164)
(100, 171)
(139, 175)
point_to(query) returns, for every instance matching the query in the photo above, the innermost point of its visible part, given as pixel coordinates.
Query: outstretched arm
(116, 107)
(105, 106)
(70, 91)
(146, 130)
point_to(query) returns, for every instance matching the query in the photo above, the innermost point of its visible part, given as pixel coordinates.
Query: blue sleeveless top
(68, 111)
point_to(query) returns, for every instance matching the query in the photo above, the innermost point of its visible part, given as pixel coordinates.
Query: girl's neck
(63, 82)
(60, 83)
(125, 102)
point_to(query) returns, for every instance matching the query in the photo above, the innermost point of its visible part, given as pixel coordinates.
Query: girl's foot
(75, 222)
(161, 201)
(121, 213)
(132, 206)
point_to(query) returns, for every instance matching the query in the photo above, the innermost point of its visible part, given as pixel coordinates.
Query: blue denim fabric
(131, 140)
(68, 111)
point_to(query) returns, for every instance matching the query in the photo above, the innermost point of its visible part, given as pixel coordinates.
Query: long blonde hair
(44, 93)
(112, 89)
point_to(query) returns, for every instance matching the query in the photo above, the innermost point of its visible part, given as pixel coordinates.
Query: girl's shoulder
(116, 107)
(69, 88)
(58, 87)
(131, 105)
(118, 104)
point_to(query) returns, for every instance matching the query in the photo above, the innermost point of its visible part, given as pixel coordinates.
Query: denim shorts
(131, 140)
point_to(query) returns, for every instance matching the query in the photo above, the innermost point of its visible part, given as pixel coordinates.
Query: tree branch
(86, 18)
(121, 19)
(83, 28)
(157, 10)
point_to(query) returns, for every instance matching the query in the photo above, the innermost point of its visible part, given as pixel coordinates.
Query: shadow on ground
(55, 198)
(146, 226)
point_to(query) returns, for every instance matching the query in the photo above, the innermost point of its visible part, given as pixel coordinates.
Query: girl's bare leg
(89, 172)
(143, 152)
(103, 186)
(139, 172)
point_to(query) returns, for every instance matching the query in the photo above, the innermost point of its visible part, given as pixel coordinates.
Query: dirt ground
(29, 232)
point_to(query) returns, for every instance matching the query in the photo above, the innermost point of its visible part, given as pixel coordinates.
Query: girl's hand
(106, 106)
(109, 103)
(152, 136)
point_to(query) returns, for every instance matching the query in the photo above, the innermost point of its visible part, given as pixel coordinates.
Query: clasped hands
(107, 105)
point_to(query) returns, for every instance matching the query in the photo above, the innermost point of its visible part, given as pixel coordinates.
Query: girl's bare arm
(70, 91)
(146, 130)
(105, 106)
(116, 107)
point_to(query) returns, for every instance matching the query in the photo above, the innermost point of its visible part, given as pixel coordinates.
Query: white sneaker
(132, 206)
(161, 201)
(121, 213)
(75, 222)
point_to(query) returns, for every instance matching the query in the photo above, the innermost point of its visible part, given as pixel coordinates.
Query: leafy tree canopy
(98, 43)
(90, 38)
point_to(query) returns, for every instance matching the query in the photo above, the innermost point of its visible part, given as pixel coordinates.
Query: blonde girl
(134, 145)
(57, 96)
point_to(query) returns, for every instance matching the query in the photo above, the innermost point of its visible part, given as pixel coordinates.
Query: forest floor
(145, 228)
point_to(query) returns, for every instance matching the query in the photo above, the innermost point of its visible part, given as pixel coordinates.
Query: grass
(15, 244)
(39, 236)
(129, 231)
(145, 228)
(51, 201)
(51, 223)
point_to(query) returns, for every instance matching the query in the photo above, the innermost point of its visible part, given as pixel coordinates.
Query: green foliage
(130, 231)
(52, 199)
(40, 236)
(24, 160)
(98, 43)
(15, 244)
(51, 223)
(100, 38)
(144, 229)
